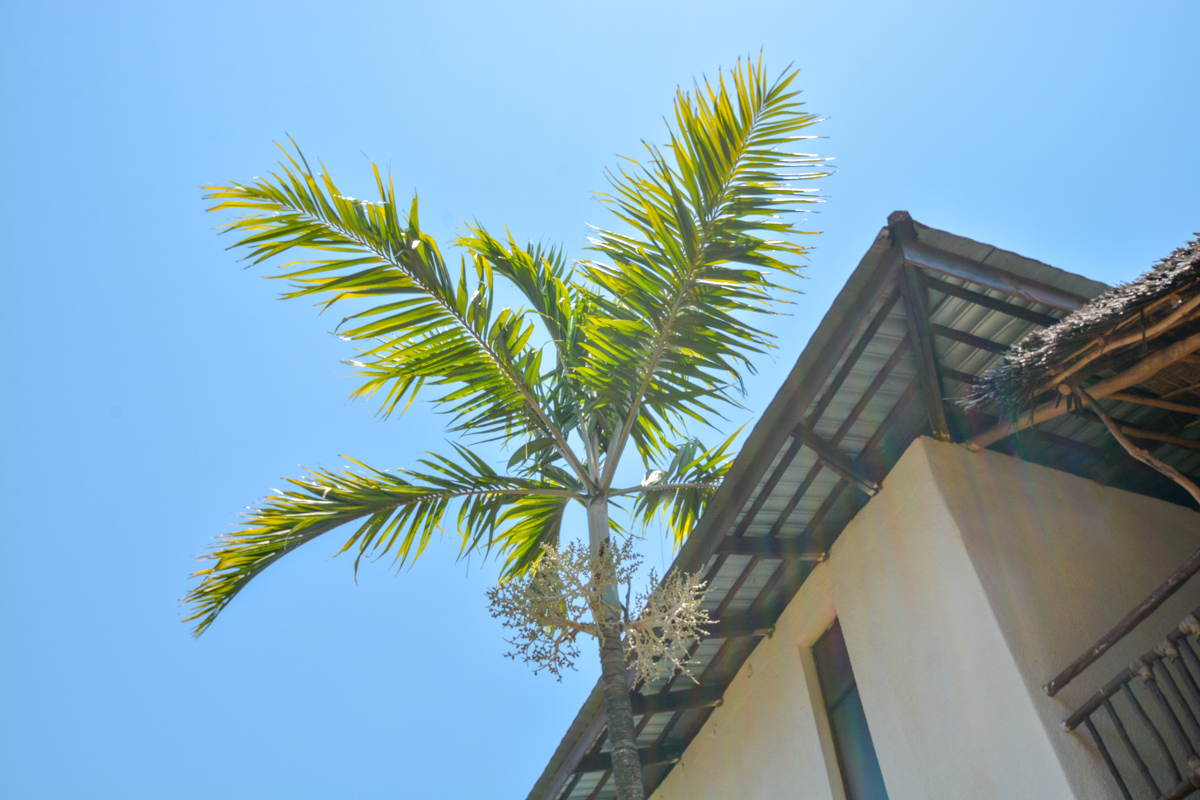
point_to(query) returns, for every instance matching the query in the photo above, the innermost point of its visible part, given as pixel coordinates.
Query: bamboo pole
(1125, 397)
(1143, 370)
(1154, 331)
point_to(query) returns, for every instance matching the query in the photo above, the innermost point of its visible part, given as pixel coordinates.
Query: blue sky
(152, 388)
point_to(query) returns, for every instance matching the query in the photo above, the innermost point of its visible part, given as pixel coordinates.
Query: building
(892, 602)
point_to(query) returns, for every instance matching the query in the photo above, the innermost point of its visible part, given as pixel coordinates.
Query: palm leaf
(702, 250)
(433, 328)
(688, 484)
(399, 511)
(542, 276)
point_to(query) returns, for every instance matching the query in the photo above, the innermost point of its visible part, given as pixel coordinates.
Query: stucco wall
(765, 741)
(1061, 560)
(961, 588)
(945, 702)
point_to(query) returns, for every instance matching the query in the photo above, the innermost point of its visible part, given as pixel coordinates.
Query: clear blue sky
(152, 388)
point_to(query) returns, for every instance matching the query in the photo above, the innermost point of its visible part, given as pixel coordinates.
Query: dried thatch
(1164, 302)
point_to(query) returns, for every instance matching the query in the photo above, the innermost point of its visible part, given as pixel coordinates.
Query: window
(851, 738)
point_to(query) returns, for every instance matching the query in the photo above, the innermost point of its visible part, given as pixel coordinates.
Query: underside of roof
(921, 317)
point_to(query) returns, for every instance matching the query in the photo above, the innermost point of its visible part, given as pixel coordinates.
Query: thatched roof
(1112, 328)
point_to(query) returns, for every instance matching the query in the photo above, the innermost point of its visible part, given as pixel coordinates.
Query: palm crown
(630, 347)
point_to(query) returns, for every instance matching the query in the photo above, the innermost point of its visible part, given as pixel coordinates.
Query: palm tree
(653, 335)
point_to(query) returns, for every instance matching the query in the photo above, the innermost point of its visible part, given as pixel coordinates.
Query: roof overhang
(923, 314)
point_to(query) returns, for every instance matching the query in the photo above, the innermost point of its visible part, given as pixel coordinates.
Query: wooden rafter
(768, 547)
(989, 277)
(957, 375)
(794, 500)
(700, 697)
(739, 626)
(1126, 397)
(767, 487)
(1137, 452)
(836, 460)
(980, 299)
(852, 357)
(873, 387)
(918, 326)
(595, 762)
(968, 338)
(903, 233)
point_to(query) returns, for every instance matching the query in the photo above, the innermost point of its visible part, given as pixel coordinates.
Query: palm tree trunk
(627, 767)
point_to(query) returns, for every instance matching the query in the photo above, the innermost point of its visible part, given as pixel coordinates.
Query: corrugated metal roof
(858, 388)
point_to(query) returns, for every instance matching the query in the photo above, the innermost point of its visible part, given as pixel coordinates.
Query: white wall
(765, 741)
(1063, 559)
(945, 702)
(962, 587)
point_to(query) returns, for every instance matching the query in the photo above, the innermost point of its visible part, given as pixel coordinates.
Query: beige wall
(962, 587)
(1062, 559)
(765, 741)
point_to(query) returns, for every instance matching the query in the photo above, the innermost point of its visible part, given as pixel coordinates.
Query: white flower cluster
(658, 642)
(563, 596)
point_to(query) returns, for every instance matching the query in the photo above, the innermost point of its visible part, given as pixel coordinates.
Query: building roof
(921, 317)
(1164, 302)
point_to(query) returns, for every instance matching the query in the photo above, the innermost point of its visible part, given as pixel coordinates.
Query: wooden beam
(1125, 397)
(919, 328)
(700, 697)
(916, 308)
(768, 547)
(1178, 441)
(1090, 462)
(1182, 389)
(984, 420)
(969, 338)
(739, 626)
(598, 762)
(1003, 306)
(956, 375)
(980, 274)
(836, 460)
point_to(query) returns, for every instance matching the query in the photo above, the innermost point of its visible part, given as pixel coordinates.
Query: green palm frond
(564, 306)
(433, 328)
(527, 523)
(705, 242)
(400, 512)
(540, 273)
(686, 486)
(653, 335)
